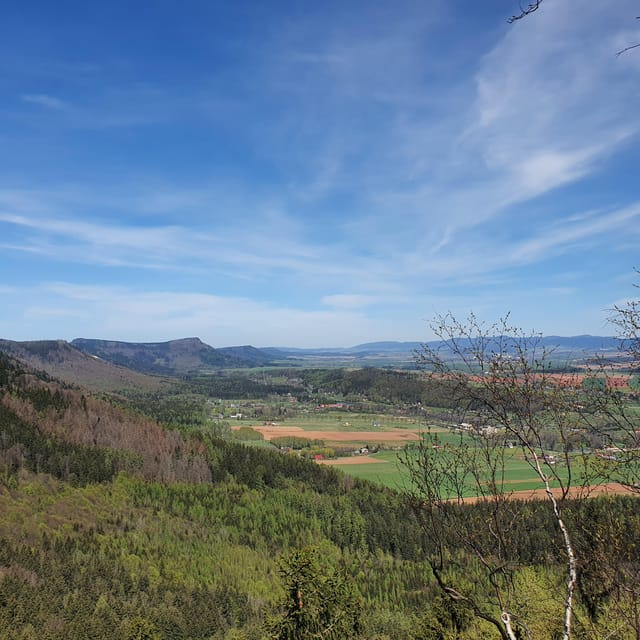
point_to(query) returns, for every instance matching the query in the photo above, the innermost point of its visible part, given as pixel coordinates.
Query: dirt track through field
(393, 435)
(611, 488)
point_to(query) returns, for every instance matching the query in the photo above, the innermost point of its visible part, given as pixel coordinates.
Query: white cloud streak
(44, 100)
(263, 254)
(563, 238)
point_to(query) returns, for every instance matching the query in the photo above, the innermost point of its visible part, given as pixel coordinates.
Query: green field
(391, 473)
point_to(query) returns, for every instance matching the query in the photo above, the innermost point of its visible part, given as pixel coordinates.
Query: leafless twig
(533, 6)
(633, 46)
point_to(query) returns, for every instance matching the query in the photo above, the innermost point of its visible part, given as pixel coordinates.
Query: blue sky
(315, 174)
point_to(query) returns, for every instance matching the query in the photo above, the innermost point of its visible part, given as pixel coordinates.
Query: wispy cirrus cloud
(270, 244)
(104, 106)
(543, 115)
(274, 246)
(476, 258)
(533, 118)
(45, 100)
(153, 239)
(563, 237)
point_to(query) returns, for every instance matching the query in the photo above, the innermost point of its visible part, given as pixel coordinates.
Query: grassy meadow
(389, 471)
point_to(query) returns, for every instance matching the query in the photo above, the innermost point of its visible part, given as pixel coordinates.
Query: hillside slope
(58, 415)
(65, 362)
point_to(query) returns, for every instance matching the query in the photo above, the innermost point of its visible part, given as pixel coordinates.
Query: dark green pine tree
(318, 604)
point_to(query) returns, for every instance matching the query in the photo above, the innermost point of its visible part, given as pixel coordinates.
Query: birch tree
(507, 397)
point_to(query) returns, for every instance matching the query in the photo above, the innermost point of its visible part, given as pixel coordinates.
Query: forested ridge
(113, 527)
(378, 385)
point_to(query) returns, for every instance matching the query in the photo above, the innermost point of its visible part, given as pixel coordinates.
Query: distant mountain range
(175, 357)
(581, 346)
(109, 364)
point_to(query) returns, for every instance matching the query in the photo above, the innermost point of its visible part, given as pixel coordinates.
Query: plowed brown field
(611, 488)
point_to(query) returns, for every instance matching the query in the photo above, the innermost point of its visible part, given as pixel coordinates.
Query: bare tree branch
(531, 8)
(633, 46)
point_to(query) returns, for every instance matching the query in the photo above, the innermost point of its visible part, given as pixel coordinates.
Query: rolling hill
(175, 357)
(62, 360)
